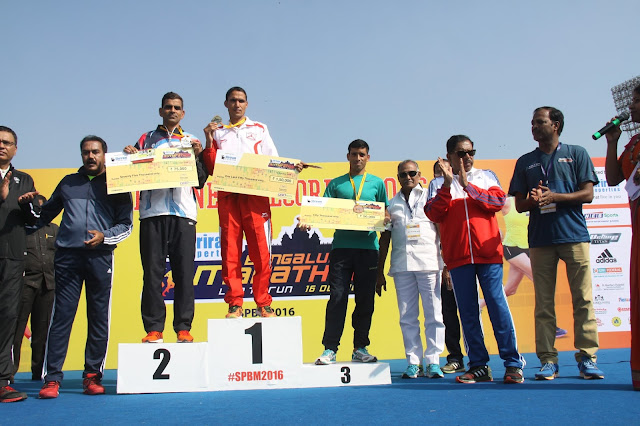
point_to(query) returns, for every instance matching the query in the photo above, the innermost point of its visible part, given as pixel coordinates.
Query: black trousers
(163, 236)
(73, 267)
(362, 265)
(451, 325)
(11, 283)
(37, 302)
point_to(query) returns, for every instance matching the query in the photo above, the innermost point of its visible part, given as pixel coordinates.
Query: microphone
(614, 123)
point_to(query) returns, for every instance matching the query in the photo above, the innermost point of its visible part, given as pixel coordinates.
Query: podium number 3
(165, 356)
(256, 342)
(346, 378)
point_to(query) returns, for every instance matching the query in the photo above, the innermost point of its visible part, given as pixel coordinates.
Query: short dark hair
(171, 95)
(454, 140)
(402, 163)
(94, 138)
(436, 165)
(357, 144)
(637, 89)
(554, 115)
(8, 129)
(235, 89)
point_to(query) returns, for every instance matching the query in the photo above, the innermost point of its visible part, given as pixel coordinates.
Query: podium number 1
(256, 342)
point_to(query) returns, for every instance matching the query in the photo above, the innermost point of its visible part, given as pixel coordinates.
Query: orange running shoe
(49, 390)
(234, 312)
(92, 384)
(266, 312)
(153, 337)
(184, 336)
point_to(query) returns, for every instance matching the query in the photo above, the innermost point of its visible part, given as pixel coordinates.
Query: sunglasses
(463, 153)
(412, 173)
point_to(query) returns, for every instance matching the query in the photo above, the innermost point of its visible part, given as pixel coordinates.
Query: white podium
(241, 354)
(162, 367)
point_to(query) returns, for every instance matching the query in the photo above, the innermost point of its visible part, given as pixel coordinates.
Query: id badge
(413, 232)
(549, 208)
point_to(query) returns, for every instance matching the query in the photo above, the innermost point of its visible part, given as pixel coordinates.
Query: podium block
(241, 354)
(162, 367)
(346, 374)
(255, 353)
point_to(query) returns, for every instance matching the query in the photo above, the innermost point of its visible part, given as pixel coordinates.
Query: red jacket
(209, 159)
(469, 230)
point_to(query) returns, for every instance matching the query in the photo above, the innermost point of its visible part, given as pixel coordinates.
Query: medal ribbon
(239, 123)
(353, 184)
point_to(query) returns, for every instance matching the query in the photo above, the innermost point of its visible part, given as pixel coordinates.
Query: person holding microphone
(616, 170)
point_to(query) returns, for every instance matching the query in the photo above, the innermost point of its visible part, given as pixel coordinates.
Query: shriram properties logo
(606, 257)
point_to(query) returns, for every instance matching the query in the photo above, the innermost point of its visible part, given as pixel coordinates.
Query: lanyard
(415, 205)
(547, 173)
(353, 184)
(171, 133)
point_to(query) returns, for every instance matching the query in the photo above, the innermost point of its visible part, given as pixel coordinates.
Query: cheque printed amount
(255, 174)
(339, 213)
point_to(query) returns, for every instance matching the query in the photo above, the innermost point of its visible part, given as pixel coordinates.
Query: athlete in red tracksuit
(240, 213)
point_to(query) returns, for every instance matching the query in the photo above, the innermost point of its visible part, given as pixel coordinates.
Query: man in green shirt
(353, 253)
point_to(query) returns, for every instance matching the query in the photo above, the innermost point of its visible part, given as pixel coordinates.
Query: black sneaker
(9, 394)
(453, 367)
(513, 375)
(476, 374)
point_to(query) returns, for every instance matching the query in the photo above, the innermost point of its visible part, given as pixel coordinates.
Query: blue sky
(404, 75)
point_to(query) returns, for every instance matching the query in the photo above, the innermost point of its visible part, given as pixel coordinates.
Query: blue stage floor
(568, 399)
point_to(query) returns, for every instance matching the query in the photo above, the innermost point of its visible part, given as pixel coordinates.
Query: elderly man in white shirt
(415, 267)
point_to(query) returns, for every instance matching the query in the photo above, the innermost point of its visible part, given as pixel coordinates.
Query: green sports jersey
(373, 190)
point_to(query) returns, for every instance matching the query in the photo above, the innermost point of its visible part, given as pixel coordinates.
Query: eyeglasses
(7, 143)
(403, 175)
(463, 153)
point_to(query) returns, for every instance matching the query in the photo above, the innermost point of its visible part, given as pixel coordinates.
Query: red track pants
(251, 215)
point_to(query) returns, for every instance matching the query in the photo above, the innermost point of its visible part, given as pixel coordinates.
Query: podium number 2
(256, 342)
(166, 356)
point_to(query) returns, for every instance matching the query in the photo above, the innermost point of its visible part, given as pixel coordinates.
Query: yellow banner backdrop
(299, 284)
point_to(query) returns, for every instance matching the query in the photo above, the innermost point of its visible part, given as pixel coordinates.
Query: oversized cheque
(151, 169)
(340, 213)
(255, 174)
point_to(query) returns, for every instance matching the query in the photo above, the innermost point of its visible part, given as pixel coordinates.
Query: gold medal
(358, 208)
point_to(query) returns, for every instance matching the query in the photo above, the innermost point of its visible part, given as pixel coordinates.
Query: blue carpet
(568, 399)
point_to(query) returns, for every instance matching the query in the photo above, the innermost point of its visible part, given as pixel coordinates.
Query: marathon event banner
(301, 265)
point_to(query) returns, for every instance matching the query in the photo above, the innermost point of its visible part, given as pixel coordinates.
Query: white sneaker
(327, 357)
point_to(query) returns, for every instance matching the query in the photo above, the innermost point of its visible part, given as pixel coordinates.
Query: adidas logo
(606, 257)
